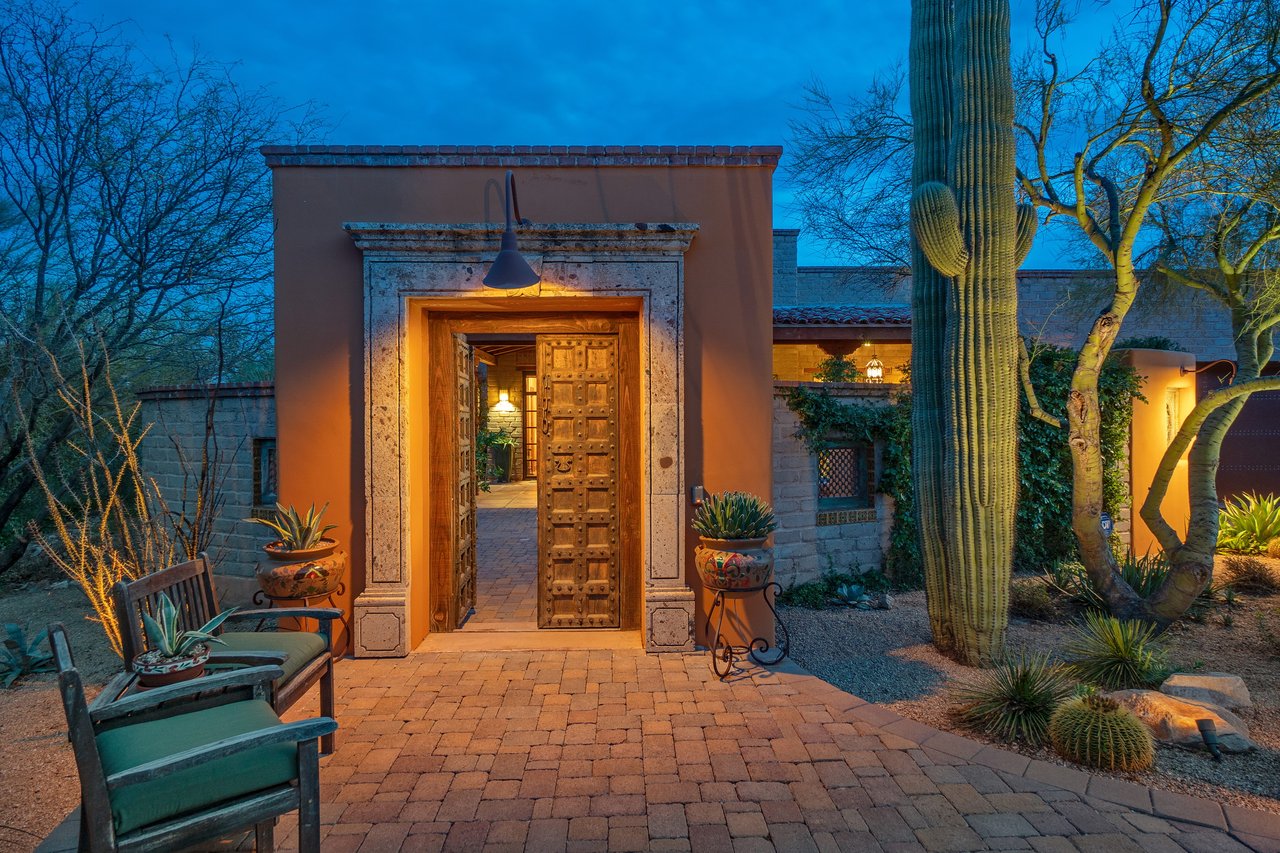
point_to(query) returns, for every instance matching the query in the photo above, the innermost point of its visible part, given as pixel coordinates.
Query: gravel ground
(37, 769)
(886, 656)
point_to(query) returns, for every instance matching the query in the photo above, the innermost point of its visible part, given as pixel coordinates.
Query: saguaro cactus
(970, 237)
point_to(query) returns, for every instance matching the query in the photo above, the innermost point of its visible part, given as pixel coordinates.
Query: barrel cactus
(1096, 731)
(970, 237)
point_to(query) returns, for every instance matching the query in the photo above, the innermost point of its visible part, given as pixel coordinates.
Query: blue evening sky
(563, 73)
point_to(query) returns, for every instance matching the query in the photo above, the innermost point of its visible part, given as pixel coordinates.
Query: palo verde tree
(1222, 238)
(135, 220)
(969, 238)
(1105, 145)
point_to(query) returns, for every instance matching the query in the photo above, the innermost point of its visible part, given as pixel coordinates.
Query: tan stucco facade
(322, 311)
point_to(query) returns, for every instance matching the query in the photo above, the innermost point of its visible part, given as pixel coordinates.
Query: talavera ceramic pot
(733, 563)
(302, 579)
(155, 670)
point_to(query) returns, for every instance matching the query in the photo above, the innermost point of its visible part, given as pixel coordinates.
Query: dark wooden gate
(464, 516)
(579, 552)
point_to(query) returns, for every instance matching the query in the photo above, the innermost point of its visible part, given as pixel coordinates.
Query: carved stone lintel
(381, 624)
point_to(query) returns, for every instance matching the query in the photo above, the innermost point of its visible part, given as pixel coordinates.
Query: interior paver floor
(506, 558)
(619, 750)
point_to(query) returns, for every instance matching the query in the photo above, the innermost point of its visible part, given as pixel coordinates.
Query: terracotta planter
(733, 563)
(305, 578)
(276, 551)
(154, 670)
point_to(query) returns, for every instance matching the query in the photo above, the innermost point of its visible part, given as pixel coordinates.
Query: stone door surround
(404, 262)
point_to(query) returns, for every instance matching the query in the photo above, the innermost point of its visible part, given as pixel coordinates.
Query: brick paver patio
(506, 558)
(618, 750)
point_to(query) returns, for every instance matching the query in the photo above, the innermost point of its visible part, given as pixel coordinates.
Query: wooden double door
(587, 467)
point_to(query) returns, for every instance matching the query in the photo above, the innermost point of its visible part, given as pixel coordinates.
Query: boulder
(1217, 688)
(1173, 720)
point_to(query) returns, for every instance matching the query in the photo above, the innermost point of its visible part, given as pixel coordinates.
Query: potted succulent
(307, 566)
(175, 655)
(733, 528)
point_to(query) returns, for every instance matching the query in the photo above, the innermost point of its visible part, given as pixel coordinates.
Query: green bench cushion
(302, 647)
(200, 787)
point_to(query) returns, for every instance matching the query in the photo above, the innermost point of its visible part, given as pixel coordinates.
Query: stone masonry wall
(803, 550)
(243, 412)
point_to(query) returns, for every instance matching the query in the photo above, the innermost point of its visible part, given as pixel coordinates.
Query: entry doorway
(558, 548)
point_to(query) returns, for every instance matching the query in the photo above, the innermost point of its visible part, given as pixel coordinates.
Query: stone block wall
(803, 549)
(242, 413)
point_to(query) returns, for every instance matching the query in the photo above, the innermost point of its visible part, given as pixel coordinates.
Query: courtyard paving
(619, 750)
(506, 558)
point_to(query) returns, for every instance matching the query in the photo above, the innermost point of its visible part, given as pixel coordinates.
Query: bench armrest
(321, 613)
(285, 732)
(248, 677)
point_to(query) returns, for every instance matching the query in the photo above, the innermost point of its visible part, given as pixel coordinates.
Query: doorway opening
(535, 427)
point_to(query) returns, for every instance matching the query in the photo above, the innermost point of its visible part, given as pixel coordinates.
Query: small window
(266, 488)
(846, 477)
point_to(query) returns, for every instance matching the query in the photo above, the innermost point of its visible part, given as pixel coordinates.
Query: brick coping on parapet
(200, 391)
(521, 155)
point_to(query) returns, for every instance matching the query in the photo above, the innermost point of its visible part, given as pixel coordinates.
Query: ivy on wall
(1044, 533)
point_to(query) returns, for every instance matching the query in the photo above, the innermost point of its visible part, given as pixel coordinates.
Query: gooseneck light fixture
(510, 270)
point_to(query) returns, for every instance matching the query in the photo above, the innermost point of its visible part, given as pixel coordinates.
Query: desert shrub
(1248, 523)
(812, 595)
(834, 587)
(1030, 598)
(1150, 342)
(1117, 654)
(1249, 574)
(837, 368)
(1015, 699)
(1098, 732)
(1144, 574)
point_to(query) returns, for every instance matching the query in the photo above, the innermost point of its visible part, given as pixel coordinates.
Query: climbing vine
(1044, 533)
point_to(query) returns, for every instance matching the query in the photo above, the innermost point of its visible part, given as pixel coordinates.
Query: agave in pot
(300, 537)
(733, 528)
(175, 655)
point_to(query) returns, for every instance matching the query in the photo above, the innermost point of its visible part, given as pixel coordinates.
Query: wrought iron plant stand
(759, 650)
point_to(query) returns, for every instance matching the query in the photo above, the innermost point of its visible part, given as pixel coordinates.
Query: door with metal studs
(578, 540)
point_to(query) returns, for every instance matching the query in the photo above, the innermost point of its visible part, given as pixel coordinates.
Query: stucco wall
(319, 303)
(242, 413)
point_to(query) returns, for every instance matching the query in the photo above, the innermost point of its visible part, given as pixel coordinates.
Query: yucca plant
(1248, 523)
(168, 639)
(297, 532)
(19, 658)
(1116, 654)
(1016, 699)
(734, 515)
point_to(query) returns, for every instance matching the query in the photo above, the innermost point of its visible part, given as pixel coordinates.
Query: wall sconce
(504, 403)
(510, 270)
(875, 369)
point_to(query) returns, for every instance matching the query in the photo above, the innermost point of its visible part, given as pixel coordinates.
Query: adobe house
(660, 267)
(655, 298)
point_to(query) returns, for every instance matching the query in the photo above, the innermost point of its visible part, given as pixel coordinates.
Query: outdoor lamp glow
(510, 270)
(875, 369)
(504, 403)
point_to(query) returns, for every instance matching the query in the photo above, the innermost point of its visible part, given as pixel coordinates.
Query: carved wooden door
(464, 514)
(578, 547)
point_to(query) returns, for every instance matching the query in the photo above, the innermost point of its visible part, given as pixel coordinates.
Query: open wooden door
(464, 516)
(579, 553)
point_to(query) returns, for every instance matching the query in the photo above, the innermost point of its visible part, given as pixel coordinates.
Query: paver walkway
(618, 750)
(506, 558)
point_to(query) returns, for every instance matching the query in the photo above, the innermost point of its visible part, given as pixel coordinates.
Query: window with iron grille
(266, 489)
(846, 477)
